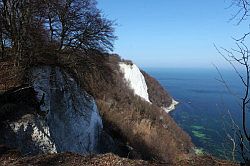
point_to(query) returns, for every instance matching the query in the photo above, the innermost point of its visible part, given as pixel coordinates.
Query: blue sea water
(205, 105)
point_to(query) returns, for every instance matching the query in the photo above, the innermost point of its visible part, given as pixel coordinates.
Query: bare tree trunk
(2, 45)
(51, 28)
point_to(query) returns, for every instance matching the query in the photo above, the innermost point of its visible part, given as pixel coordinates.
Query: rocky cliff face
(68, 120)
(31, 135)
(72, 114)
(146, 87)
(135, 80)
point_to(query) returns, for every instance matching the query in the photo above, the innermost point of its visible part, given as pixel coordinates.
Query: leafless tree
(19, 26)
(27, 26)
(79, 24)
(239, 59)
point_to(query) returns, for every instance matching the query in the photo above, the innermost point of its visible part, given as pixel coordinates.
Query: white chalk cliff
(72, 122)
(135, 80)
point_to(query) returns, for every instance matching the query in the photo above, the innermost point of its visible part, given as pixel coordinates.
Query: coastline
(171, 107)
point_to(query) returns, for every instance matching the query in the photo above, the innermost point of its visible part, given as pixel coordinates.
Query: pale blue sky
(172, 33)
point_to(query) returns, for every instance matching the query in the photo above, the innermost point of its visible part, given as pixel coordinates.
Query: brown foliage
(148, 129)
(157, 94)
(13, 157)
(10, 75)
(69, 159)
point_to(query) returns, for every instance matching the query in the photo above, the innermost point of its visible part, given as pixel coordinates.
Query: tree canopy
(32, 25)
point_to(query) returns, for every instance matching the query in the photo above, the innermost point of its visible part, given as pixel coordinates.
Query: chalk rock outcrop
(135, 80)
(68, 119)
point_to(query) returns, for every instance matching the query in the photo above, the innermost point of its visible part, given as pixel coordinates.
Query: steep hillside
(144, 126)
(66, 94)
(158, 95)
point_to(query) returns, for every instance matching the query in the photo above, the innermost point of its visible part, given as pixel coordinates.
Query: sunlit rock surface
(135, 79)
(73, 118)
(68, 121)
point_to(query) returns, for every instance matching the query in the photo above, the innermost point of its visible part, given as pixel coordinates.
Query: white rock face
(73, 123)
(135, 79)
(171, 107)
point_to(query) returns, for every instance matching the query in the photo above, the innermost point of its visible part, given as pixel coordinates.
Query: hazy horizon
(173, 34)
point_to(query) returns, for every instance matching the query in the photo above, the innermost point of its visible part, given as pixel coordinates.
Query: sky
(172, 33)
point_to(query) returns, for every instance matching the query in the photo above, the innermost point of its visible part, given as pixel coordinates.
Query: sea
(209, 108)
